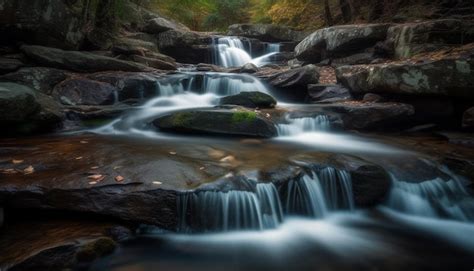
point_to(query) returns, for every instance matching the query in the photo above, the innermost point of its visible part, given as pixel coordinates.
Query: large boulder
(413, 38)
(322, 93)
(23, 110)
(266, 32)
(131, 86)
(225, 122)
(340, 41)
(250, 99)
(159, 24)
(78, 61)
(468, 118)
(82, 91)
(291, 84)
(186, 46)
(445, 77)
(373, 116)
(38, 78)
(9, 65)
(51, 23)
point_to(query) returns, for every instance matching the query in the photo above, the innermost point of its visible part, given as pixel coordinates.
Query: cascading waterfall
(313, 195)
(432, 198)
(230, 52)
(300, 125)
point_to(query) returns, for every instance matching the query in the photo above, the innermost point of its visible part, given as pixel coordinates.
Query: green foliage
(239, 117)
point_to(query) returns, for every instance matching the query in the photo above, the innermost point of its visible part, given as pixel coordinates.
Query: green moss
(182, 119)
(239, 117)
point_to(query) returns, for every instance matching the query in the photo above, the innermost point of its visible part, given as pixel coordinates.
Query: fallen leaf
(119, 179)
(29, 170)
(95, 167)
(172, 153)
(92, 183)
(229, 175)
(96, 177)
(202, 168)
(84, 142)
(267, 115)
(157, 183)
(228, 159)
(14, 161)
(9, 171)
(79, 158)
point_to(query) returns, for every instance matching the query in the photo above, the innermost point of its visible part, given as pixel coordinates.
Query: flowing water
(306, 223)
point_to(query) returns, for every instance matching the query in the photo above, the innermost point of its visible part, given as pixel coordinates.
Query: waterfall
(432, 198)
(301, 125)
(230, 52)
(231, 84)
(314, 195)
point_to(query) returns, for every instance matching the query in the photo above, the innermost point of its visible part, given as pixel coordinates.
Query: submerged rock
(250, 99)
(340, 41)
(217, 122)
(266, 32)
(78, 61)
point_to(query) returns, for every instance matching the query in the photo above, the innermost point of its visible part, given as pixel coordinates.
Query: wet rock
(95, 249)
(154, 62)
(372, 98)
(129, 46)
(82, 91)
(23, 110)
(78, 61)
(370, 185)
(217, 122)
(292, 83)
(468, 118)
(50, 23)
(340, 41)
(186, 46)
(131, 86)
(119, 233)
(250, 99)
(266, 32)
(38, 78)
(322, 93)
(445, 77)
(386, 116)
(160, 24)
(9, 65)
(249, 68)
(412, 38)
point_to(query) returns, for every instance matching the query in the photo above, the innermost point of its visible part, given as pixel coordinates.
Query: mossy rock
(251, 99)
(218, 122)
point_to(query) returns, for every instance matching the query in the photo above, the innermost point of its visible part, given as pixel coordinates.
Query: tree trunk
(345, 10)
(327, 14)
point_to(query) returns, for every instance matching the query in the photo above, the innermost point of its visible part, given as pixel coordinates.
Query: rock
(249, 68)
(25, 111)
(186, 46)
(339, 41)
(131, 86)
(468, 118)
(82, 91)
(322, 93)
(95, 249)
(413, 38)
(128, 46)
(217, 122)
(355, 59)
(9, 65)
(78, 61)
(291, 83)
(386, 116)
(38, 78)
(266, 32)
(119, 233)
(154, 62)
(159, 25)
(445, 77)
(372, 98)
(370, 185)
(50, 23)
(250, 99)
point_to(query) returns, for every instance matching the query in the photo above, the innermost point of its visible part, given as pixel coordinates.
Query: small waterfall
(272, 48)
(301, 125)
(315, 194)
(231, 52)
(318, 193)
(432, 198)
(231, 84)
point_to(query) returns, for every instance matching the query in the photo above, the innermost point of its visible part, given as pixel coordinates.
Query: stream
(308, 223)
